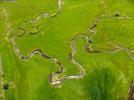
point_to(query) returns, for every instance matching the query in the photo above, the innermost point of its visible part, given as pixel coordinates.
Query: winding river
(55, 79)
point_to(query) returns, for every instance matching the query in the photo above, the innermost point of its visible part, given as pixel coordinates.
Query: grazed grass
(107, 75)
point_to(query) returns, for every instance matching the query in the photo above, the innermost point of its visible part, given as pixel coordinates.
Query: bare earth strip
(131, 92)
(8, 25)
(2, 96)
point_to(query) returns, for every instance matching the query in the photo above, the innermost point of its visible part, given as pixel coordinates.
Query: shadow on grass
(105, 84)
(47, 92)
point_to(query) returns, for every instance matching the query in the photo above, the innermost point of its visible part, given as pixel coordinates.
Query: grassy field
(108, 75)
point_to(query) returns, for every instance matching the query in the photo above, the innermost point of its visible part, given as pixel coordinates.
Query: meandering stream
(55, 79)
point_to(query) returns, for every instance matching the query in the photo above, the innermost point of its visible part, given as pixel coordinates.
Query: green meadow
(108, 75)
